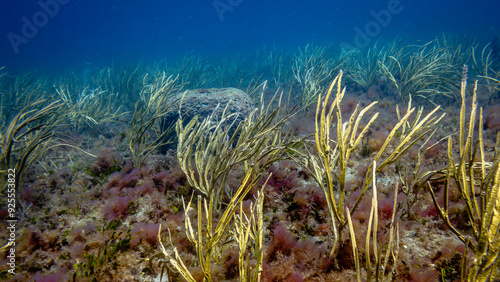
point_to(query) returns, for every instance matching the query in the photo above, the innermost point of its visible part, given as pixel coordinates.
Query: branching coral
(207, 153)
(209, 150)
(328, 163)
(248, 231)
(478, 183)
(208, 241)
(413, 179)
(380, 270)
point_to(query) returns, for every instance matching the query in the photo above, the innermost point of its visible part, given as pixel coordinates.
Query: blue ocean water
(62, 34)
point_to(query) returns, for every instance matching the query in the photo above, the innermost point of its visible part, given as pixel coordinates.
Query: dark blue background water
(100, 32)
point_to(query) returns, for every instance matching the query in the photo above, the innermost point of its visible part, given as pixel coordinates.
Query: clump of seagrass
(194, 72)
(122, 80)
(254, 88)
(149, 110)
(422, 71)
(478, 183)
(327, 160)
(90, 107)
(231, 71)
(27, 137)
(312, 70)
(380, 270)
(20, 92)
(279, 65)
(207, 153)
(486, 67)
(366, 69)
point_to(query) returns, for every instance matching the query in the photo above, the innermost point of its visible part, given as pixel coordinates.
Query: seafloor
(87, 218)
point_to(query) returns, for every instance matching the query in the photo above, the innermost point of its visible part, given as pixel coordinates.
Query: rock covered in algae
(208, 102)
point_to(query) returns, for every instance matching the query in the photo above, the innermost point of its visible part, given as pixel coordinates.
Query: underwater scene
(237, 140)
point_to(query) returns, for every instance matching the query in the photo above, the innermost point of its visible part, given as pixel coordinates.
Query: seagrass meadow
(374, 164)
